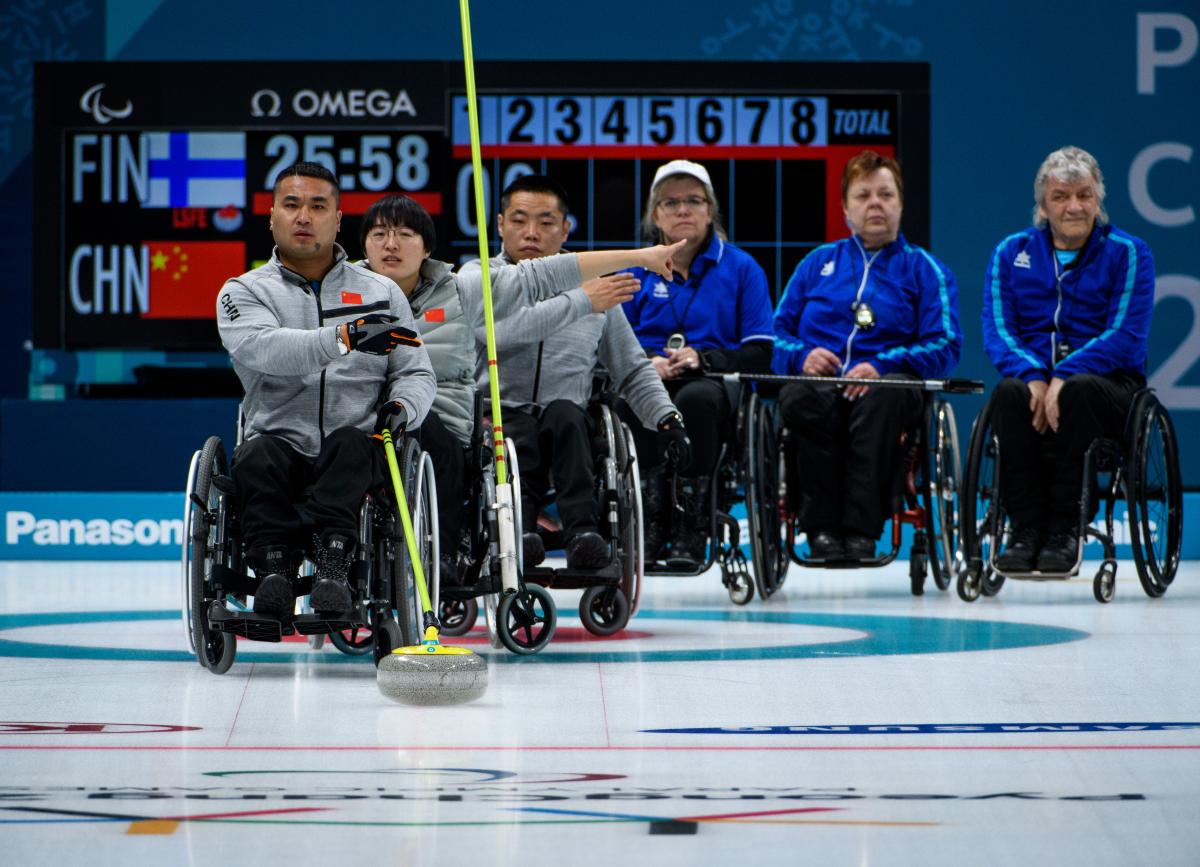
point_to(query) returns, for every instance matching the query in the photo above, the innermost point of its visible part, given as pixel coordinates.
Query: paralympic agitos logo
(90, 103)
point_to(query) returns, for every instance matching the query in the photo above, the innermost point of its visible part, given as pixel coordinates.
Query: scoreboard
(153, 180)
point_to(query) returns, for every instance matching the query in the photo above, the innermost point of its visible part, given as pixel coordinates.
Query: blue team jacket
(913, 295)
(1100, 307)
(723, 304)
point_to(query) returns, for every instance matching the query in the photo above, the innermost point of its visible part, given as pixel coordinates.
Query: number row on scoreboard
(646, 121)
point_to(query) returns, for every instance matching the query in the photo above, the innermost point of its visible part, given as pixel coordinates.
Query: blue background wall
(1010, 82)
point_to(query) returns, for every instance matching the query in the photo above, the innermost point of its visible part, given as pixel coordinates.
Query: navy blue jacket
(1099, 307)
(913, 295)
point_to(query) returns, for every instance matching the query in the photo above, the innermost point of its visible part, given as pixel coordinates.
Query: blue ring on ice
(885, 635)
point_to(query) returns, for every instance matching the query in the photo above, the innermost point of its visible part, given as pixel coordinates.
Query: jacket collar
(434, 272)
(1098, 236)
(339, 262)
(886, 250)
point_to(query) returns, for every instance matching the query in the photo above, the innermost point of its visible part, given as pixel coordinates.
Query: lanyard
(858, 302)
(679, 320)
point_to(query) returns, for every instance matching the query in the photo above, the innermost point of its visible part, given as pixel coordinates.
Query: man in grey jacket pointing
(547, 365)
(323, 347)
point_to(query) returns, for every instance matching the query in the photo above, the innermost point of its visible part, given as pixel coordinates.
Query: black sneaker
(825, 545)
(331, 591)
(275, 597)
(859, 547)
(656, 515)
(689, 551)
(1022, 550)
(587, 550)
(448, 572)
(1059, 553)
(533, 549)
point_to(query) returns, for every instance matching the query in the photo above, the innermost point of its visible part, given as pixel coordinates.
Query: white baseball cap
(682, 167)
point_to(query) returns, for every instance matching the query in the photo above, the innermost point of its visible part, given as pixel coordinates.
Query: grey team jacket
(545, 355)
(280, 332)
(446, 320)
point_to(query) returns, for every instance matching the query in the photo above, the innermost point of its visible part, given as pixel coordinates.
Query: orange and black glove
(377, 334)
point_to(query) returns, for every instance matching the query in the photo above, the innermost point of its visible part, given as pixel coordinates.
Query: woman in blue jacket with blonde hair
(869, 306)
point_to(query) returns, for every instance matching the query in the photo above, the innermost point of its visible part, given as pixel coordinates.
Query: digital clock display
(143, 213)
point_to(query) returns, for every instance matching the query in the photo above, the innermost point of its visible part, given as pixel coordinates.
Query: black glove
(677, 448)
(394, 417)
(376, 334)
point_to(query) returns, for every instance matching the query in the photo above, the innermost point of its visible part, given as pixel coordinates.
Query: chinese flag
(351, 297)
(185, 276)
(437, 314)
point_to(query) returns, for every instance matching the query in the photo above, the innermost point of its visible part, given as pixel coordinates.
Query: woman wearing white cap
(714, 315)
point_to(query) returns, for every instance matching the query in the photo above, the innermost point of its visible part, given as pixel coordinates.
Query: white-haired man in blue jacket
(1066, 317)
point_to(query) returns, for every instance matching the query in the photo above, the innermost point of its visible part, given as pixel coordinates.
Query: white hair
(1069, 165)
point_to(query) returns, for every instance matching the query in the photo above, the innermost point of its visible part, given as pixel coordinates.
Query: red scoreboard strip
(835, 158)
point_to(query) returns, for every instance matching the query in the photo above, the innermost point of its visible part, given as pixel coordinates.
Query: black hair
(396, 211)
(535, 184)
(305, 169)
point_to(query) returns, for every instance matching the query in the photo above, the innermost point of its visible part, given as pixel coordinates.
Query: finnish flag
(196, 170)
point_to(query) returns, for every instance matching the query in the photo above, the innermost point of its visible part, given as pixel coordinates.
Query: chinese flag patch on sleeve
(351, 298)
(437, 314)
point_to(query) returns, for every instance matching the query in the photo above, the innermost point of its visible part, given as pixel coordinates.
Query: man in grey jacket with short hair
(323, 348)
(548, 361)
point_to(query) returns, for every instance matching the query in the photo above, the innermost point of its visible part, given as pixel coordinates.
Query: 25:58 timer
(362, 161)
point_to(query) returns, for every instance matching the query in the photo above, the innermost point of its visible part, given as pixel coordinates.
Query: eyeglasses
(672, 206)
(401, 233)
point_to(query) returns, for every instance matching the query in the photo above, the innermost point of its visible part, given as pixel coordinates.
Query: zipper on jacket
(537, 379)
(858, 296)
(315, 287)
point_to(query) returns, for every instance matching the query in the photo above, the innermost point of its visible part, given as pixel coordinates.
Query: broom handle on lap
(409, 536)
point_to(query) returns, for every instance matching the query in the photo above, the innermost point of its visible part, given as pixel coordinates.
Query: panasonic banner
(128, 526)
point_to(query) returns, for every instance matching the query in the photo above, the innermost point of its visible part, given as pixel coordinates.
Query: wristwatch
(341, 340)
(673, 416)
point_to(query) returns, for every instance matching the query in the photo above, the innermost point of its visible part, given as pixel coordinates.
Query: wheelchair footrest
(246, 624)
(315, 624)
(843, 563)
(574, 579)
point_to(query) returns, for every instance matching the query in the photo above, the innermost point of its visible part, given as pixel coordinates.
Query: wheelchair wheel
(405, 598)
(205, 545)
(939, 493)
(629, 496)
(762, 462)
(981, 525)
(526, 619)
(457, 616)
(1155, 496)
(357, 641)
(604, 610)
(386, 636)
(425, 524)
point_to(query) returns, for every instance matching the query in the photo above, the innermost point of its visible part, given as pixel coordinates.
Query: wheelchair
(611, 593)
(521, 619)
(924, 496)
(747, 470)
(215, 585)
(1143, 470)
